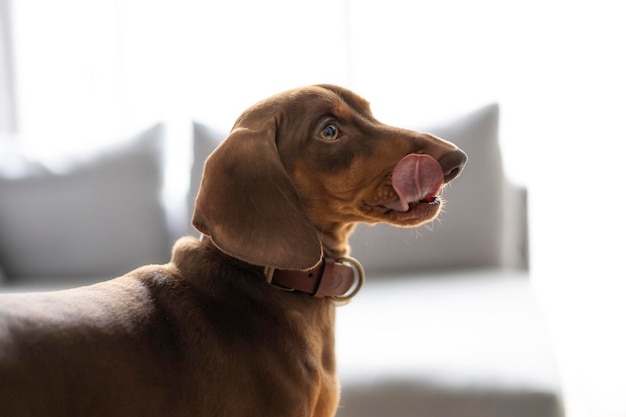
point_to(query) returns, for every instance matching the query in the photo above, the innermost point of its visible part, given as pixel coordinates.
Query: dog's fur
(205, 335)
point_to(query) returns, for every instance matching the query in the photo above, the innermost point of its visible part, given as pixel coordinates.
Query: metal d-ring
(360, 279)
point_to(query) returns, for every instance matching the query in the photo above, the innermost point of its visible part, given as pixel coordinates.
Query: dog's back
(163, 340)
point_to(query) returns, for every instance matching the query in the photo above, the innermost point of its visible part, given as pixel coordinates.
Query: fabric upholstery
(102, 216)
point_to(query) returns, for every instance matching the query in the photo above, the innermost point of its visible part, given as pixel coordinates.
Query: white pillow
(102, 218)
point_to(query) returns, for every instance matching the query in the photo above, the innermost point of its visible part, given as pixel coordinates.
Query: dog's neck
(334, 239)
(337, 277)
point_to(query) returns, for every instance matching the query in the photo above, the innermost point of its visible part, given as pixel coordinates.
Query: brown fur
(205, 335)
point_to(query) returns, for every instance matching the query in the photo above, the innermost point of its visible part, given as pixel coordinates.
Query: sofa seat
(468, 343)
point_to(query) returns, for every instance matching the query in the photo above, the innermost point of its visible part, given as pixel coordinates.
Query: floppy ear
(249, 206)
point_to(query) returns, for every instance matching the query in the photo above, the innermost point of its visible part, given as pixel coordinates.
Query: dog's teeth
(430, 199)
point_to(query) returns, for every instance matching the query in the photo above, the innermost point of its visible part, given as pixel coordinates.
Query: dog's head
(304, 166)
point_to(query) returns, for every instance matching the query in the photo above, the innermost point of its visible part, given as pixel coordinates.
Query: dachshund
(240, 322)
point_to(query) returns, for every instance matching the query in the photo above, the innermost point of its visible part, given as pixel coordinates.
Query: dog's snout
(452, 164)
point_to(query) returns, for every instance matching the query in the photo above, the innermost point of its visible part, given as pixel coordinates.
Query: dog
(240, 322)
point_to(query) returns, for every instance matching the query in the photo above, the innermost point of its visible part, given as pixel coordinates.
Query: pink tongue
(415, 178)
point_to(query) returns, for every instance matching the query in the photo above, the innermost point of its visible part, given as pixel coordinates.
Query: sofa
(447, 323)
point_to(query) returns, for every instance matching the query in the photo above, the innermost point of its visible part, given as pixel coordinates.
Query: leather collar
(340, 280)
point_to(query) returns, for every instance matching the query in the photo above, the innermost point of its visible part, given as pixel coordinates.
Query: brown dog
(206, 334)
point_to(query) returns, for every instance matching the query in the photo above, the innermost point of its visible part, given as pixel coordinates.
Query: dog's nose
(452, 164)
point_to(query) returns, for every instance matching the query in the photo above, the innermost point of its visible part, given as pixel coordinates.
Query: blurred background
(556, 68)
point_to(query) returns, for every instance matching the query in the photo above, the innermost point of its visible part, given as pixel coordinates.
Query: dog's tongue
(415, 178)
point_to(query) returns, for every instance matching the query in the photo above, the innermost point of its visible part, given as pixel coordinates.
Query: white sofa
(446, 325)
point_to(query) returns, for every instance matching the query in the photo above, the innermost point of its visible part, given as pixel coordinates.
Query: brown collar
(331, 278)
(335, 279)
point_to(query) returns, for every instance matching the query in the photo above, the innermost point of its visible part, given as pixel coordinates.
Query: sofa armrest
(515, 233)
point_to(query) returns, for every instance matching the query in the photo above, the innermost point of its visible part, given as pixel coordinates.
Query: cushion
(100, 217)
(469, 231)
(205, 140)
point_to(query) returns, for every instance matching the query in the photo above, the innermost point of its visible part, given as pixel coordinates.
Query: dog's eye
(330, 132)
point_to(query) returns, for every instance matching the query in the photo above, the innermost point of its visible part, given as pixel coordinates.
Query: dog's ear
(249, 206)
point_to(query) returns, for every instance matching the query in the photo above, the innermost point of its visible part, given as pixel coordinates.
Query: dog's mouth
(416, 180)
(417, 213)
